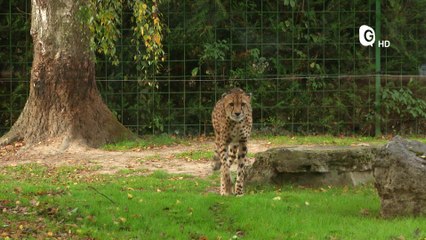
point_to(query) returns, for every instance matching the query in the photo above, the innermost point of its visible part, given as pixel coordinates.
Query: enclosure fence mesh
(301, 60)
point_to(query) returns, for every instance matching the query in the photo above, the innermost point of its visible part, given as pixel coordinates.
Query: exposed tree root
(10, 137)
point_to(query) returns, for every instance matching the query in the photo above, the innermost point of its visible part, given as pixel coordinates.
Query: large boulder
(400, 174)
(314, 166)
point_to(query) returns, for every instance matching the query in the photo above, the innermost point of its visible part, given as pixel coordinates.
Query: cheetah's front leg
(241, 170)
(226, 158)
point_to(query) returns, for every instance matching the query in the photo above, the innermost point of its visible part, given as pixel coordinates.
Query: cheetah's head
(237, 104)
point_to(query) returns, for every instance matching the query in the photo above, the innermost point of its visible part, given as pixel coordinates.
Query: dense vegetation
(300, 59)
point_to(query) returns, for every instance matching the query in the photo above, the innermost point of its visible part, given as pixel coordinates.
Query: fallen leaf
(400, 238)
(361, 145)
(34, 203)
(240, 233)
(365, 212)
(17, 190)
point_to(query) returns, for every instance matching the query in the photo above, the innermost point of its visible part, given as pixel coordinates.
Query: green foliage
(254, 68)
(148, 30)
(143, 53)
(104, 19)
(405, 41)
(403, 103)
(300, 59)
(15, 60)
(214, 52)
(404, 106)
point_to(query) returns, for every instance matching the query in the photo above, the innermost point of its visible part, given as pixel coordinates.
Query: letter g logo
(366, 35)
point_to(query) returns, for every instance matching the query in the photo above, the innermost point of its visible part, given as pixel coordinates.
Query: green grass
(152, 157)
(167, 140)
(321, 140)
(72, 203)
(417, 138)
(146, 142)
(196, 155)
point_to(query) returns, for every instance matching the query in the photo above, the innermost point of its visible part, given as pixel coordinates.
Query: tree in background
(64, 105)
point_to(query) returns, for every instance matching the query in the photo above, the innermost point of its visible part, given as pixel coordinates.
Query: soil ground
(109, 162)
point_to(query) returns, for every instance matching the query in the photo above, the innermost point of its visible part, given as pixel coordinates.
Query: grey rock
(314, 166)
(400, 175)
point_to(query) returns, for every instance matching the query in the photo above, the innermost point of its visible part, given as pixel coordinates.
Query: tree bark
(64, 103)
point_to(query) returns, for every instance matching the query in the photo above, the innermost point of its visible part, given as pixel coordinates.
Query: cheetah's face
(237, 105)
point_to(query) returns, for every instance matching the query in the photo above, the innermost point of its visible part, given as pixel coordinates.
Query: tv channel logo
(367, 37)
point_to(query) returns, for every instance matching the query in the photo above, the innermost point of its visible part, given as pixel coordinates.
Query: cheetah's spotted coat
(232, 123)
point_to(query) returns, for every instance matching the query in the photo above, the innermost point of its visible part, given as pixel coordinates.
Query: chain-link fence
(301, 60)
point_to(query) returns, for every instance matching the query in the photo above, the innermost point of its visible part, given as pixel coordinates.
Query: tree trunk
(64, 103)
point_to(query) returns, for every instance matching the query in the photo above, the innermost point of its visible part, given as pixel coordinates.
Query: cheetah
(232, 123)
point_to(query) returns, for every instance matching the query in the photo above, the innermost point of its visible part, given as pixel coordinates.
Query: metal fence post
(378, 131)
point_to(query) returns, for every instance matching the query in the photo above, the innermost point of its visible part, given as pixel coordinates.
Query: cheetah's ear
(248, 95)
(224, 94)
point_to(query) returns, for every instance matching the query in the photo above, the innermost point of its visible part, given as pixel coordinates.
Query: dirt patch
(109, 162)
